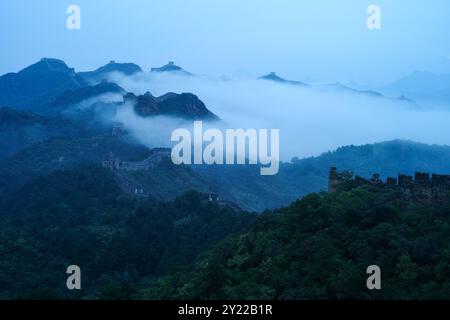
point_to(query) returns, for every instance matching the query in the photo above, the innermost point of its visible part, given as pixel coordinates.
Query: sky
(321, 40)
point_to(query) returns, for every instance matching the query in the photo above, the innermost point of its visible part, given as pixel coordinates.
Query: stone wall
(157, 156)
(422, 186)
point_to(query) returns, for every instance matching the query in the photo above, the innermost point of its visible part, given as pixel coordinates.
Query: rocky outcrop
(185, 105)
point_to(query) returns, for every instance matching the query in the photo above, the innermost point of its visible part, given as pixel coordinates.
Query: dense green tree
(320, 247)
(121, 243)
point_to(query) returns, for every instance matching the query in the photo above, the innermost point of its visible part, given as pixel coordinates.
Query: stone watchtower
(333, 180)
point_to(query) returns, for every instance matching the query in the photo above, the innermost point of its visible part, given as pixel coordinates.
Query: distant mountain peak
(102, 73)
(272, 76)
(38, 83)
(53, 62)
(46, 65)
(422, 86)
(171, 67)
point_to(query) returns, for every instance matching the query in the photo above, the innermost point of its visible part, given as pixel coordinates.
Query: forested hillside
(81, 217)
(320, 247)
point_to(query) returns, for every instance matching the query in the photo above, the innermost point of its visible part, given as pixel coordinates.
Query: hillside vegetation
(320, 246)
(121, 244)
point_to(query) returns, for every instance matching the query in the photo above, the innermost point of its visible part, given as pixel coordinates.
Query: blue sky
(326, 40)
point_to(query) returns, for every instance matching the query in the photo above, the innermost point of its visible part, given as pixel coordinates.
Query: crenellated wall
(157, 156)
(423, 186)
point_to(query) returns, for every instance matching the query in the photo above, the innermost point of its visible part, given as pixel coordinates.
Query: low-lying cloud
(312, 120)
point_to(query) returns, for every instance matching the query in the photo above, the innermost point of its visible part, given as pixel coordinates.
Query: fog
(312, 120)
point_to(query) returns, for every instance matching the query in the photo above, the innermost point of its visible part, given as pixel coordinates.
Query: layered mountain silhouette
(73, 97)
(337, 87)
(50, 87)
(102, 73)
(422, 86)
(184, 105)
(48, 140)
(367, 92)
(36, 84)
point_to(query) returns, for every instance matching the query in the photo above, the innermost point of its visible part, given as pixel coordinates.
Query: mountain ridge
(102, 72)
(37, 83)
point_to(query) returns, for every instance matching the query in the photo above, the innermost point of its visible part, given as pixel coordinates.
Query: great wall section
(120, 168)
(425, 187)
